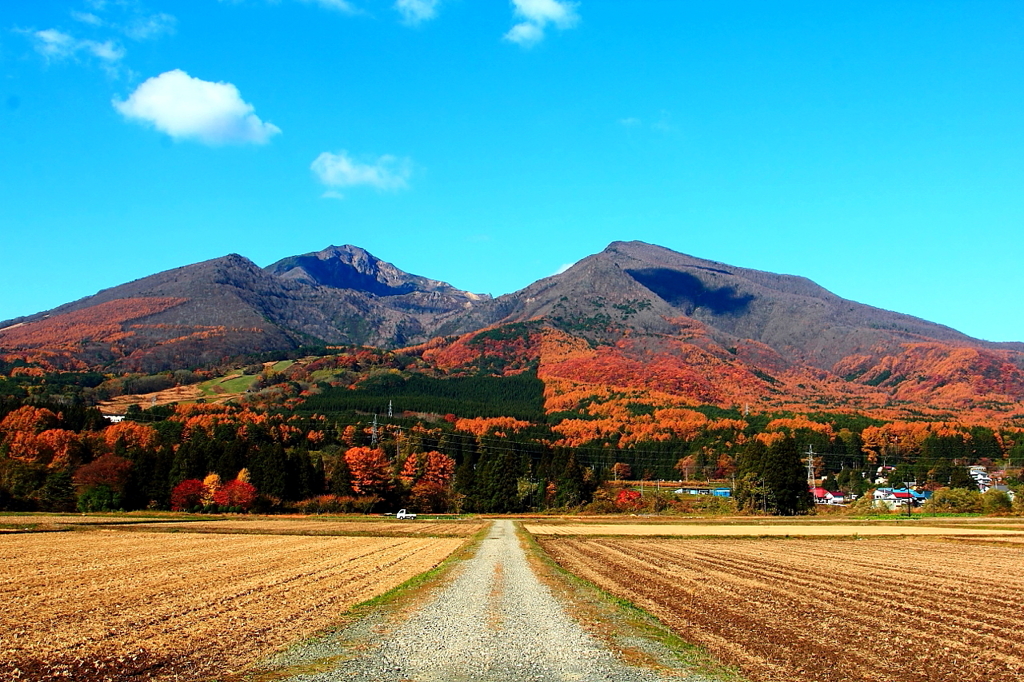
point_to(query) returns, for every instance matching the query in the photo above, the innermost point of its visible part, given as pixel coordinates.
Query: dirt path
(495, 621)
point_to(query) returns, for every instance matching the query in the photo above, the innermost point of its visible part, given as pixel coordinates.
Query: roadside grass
(321, 651)
(625, 627)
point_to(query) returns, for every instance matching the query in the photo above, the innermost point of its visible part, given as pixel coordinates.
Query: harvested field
(326, 527)
(916, 610)
(791, 530)
(126, 605)
(30, 520)
(178, 394)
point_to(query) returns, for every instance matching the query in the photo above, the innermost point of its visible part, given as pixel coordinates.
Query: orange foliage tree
(370, 470)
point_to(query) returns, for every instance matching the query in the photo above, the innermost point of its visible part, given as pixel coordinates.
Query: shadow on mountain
(683, 289)
(338, 275)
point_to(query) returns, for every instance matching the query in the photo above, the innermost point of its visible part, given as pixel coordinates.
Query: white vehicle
(402, 514)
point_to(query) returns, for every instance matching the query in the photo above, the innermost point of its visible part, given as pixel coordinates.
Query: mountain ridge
(633, 304)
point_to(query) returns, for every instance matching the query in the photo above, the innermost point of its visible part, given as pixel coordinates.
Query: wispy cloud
(57, 45)
(536, 16)
(562, 269)
(87, 18)
(150, 27)
(342, 6)
(341, 170)
(105, 25)
(415, 12)
(662, 124)
(190, 108)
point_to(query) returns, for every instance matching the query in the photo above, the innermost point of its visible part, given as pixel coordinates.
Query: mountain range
(633, 315)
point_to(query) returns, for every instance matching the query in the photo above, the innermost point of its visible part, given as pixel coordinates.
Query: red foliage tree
(187, 494)
(109, 470)
(236, 493)
(628, 499)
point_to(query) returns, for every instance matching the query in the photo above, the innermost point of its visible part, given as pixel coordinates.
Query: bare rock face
(350, 267)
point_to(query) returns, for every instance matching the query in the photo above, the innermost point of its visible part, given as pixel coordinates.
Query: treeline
(186, 456)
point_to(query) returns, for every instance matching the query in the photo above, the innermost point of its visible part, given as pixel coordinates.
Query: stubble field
(113, 605)
(327, 526)
(802, 610)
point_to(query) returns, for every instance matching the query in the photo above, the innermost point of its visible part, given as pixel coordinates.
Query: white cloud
(525, 34)
(415, 12)
(341, 170)
(536, 15)
(630, 122)
(562, 269)
(342, 6)
(56, 45)
(87, 18)
(153, 26)
(558, 12)
(189, 108)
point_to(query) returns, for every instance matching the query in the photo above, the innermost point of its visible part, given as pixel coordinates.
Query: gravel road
(496, 621)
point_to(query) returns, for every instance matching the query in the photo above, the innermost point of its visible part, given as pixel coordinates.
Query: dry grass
(178, 394)
(325, 526)
(127, 605)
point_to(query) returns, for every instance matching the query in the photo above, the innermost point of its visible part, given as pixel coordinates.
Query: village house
(822, 496)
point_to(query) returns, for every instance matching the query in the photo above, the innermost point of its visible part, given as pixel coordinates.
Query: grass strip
(392, 600)
(636, 621)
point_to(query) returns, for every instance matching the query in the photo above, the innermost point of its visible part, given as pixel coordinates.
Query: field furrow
(803, 610)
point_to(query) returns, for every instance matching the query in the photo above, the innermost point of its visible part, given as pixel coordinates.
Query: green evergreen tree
(786, 479)
(959, 478)
(269, 471)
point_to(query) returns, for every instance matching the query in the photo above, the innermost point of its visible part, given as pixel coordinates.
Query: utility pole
(810, 467)
(389, 409)
(373, 434)
(910, 496)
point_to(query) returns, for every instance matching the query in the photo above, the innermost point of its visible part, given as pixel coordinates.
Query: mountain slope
(229, 306)
(634, 316)
(654, 319)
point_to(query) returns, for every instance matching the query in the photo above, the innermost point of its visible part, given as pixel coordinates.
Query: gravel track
(494, 622)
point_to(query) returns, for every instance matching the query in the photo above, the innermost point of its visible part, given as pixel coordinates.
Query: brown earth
(36, 520)
(325, 527)
(778, 529)
(820, 610)
(111, 605)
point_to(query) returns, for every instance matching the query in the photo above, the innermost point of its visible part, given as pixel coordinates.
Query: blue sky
(874, 147)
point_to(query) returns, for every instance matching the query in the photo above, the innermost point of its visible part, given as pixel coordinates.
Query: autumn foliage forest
(515, 418)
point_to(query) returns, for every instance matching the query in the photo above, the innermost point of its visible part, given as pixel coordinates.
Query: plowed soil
(835, 529)
(912, 610)
(111, 605)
